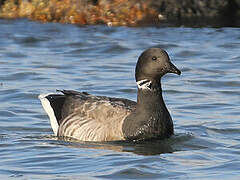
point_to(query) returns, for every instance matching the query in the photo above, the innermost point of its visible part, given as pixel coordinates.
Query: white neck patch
(144, 84)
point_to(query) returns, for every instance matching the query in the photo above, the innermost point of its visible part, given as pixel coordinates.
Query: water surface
(204, 101)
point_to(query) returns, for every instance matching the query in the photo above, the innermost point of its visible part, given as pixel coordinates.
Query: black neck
(151, 118)
(150, 97)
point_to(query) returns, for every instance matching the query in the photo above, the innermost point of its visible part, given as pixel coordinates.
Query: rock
(192, 13)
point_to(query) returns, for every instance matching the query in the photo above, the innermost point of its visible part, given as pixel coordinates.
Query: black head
(153, 63)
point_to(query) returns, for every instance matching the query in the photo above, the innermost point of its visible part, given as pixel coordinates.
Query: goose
(86, 117)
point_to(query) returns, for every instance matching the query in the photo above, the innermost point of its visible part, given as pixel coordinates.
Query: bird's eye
(154, 58)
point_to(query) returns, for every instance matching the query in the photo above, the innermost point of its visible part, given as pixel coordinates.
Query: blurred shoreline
(190, 13)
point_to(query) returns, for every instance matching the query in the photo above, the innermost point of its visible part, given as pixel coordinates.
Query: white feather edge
(145, 84)
(49, 110)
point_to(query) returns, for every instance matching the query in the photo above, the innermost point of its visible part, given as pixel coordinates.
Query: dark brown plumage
(98, 118)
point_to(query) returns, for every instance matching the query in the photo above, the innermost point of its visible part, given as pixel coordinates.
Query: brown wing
(93, 118)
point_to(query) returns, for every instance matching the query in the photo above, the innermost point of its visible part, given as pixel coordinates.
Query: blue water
(204, 101)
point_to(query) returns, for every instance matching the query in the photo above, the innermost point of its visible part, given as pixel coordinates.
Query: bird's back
(91, 118)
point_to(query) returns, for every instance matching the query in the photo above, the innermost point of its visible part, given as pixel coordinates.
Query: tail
(52, 104)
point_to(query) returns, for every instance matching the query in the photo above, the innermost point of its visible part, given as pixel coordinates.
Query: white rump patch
(144, 84)
(49, 110)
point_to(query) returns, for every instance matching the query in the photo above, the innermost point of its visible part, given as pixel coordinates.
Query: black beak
(174, 69)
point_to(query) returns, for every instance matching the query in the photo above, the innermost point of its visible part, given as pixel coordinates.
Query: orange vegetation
(113, 13)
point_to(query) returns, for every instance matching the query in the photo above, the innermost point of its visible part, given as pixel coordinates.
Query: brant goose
(86, 117)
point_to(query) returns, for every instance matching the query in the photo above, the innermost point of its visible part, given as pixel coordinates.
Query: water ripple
(204, 101)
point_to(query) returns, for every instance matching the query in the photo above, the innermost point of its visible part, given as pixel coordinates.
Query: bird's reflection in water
(150, 147)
